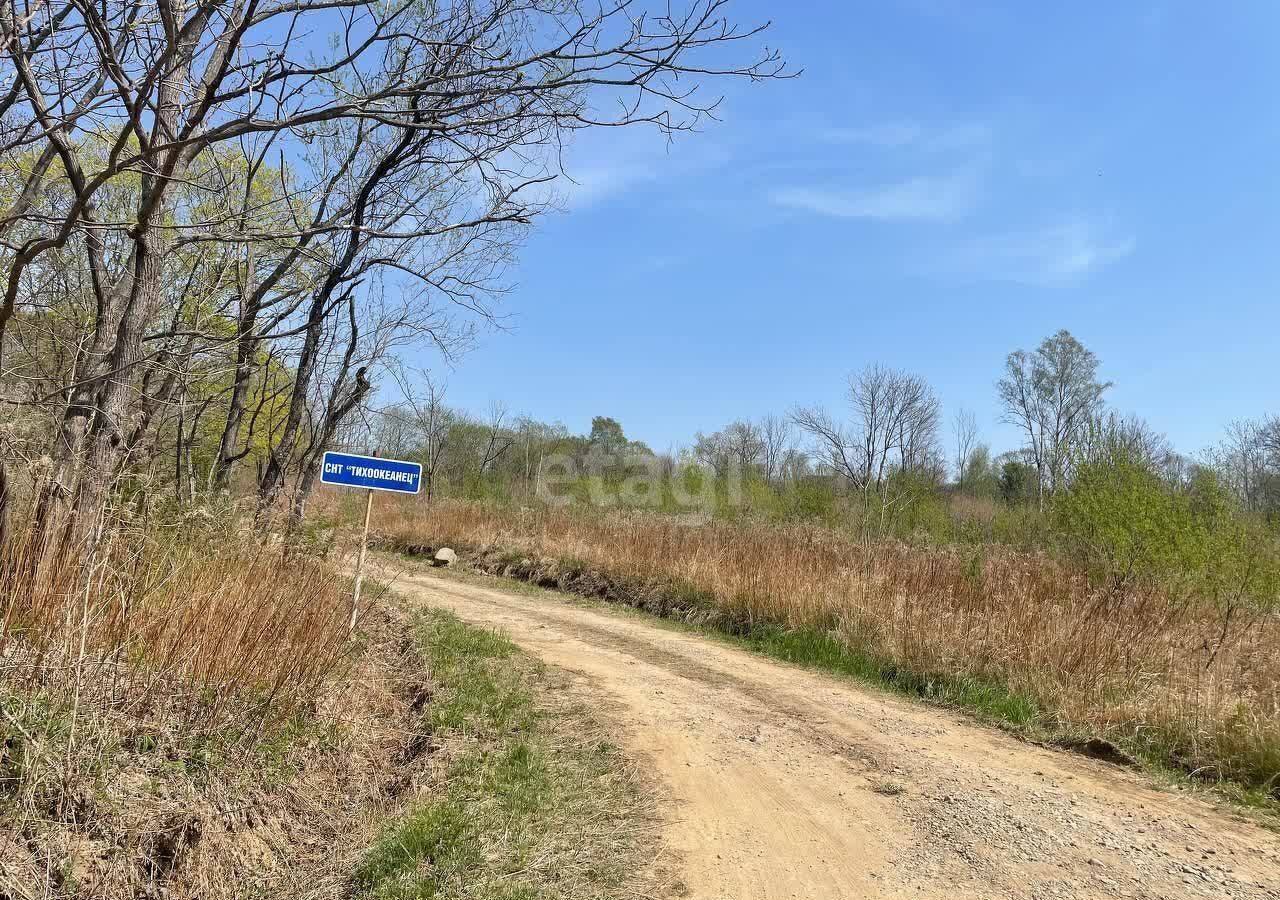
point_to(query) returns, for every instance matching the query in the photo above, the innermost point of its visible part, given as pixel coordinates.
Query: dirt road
(784, 783)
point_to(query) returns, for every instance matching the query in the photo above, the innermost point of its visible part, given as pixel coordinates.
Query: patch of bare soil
(786, 783)
(146, 822)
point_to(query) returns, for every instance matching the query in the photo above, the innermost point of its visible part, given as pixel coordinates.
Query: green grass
(818, 650)
(533, 802)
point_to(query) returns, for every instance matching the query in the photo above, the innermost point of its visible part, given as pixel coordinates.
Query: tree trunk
(106, 439)
(225, 461)
(334, 417)
(272, 481)
(98, 428)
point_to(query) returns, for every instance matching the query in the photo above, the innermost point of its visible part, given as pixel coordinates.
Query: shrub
(1128, 526)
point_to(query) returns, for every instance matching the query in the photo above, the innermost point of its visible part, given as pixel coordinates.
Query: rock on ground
(444, 557)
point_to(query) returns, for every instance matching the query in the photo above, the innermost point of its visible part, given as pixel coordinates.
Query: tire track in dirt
(785, 783)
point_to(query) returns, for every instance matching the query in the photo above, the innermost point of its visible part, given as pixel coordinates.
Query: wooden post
(364, 545)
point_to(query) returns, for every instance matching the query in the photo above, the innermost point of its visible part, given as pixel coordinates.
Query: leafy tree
(979, 475)
(607, 436)
(1050, 394)
(1016, 481)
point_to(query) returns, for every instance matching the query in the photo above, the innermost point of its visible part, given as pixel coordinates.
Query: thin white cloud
(583, 186)
(923, 198)
(968, 136)
(913, 135)
(886, 134)
(600, 167)
(1050, 255)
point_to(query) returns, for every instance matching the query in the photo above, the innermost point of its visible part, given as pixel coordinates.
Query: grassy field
(1018, 636)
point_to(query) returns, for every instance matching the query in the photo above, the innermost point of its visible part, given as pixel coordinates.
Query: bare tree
(966, 434)
(498, 437)
(342, 385)
(895, 427)
(411, 146)
(1109, 437)
(837, 446)
(392, 431)
(745, 443)
(538, 439)
(431, 421)
(712, 451)
(777, 444)
(742, 444)
(1248, 461)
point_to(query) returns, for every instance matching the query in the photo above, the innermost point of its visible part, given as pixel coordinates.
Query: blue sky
(945, 183)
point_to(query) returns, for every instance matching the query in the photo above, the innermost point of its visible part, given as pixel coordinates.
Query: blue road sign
(350, 470)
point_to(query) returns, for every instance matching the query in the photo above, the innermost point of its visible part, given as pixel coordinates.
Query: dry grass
(184, 714)
(165, 654)
(212, 628)
(1135, 667)
(289, 818)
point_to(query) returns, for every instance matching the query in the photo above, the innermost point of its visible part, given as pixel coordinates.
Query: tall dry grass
(1136, 667)
(202, 631)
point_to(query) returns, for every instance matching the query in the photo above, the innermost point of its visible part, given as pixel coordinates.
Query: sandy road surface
(784, 783)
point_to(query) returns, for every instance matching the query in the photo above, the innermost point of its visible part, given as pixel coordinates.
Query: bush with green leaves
(1129, 526)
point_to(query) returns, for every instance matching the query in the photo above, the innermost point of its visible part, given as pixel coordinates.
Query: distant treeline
(1087, 480)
